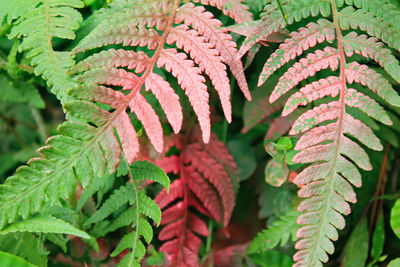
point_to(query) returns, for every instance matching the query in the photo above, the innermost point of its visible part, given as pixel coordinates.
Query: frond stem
(342, 78)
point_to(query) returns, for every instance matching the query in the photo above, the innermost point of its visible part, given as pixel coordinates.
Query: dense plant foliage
(199, 133)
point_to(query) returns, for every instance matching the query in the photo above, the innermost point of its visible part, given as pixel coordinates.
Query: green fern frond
(44, 224)
(279, 232)
(25, 245)
(118, 198)
(38, 22)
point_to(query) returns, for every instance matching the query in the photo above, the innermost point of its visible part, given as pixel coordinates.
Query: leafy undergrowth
(199, 133)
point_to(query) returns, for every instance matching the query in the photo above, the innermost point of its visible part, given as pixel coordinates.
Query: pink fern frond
(168, 99)
(208, 60)
(311, 92)
(115, 58)
(192, 82)
(236, 9)
(258, 33)
(211, 29)
(361, 132)
(373, 80)
(110, 76)
(304, 68)
(127, 36)
(127, 136)
(371, 48)
(299, 41)
(368, 105)
(151, 123)
(315, 116)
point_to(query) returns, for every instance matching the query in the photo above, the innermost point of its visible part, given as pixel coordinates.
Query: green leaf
(356, 253)
(118, 198)
(44, 224)
(244, 157)
(145, 170)
(279, 231)
(9, 260)
(394, 263)
(156, 259)
(38, 25)
(395, 218)
(91, 190)
(24, 245)
(284, 144)
(378, 239)
(271, 258)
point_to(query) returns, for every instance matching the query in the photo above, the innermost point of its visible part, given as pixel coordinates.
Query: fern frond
(45, 224)
(38, 22)
(210, 28)
(236, 9)
(279, 232)
(208, 60)
(25, 245)
(300, 40)
(203, 184)
(117, 199)
(326, 129)
(192, 82)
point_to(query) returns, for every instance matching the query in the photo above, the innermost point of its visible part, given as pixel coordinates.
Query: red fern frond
(204, 185)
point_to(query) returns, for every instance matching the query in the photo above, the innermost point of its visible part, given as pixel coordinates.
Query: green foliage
(106, 79)
(357, 246)
(44, 224)
(8, 260)
(279, 232)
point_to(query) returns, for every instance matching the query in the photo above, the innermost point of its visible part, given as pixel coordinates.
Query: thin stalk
(283, 12)
(135, 188)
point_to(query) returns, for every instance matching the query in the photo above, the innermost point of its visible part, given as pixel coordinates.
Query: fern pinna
(183, 39)
(207, 177)
(330, 129)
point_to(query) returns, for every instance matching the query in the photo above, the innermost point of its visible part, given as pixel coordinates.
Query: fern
(38, 22)
(329, 129)
(140, 206)
(279, 232)
(88, 144)
(205, 184)
(24, 245)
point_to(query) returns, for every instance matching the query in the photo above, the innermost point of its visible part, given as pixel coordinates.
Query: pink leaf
(168, 99)
(192, 82)
(151, 123)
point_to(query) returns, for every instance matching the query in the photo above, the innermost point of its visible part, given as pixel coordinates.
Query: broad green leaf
(378, 239)
(44, 224)
(271, 258)
(244, 157)
(356, 253)
(9, 260)
(24, 245)
(395, 218)
(394, 263)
